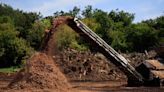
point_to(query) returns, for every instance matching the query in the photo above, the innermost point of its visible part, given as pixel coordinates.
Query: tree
(13, 49)
(160, 27)
(105, 23)
(87, 12)
(121, 16)
(142, 37)
(22, 20)
(64, 37)
(75, 11)
(118, 40)
(57, 13)
(157, 24)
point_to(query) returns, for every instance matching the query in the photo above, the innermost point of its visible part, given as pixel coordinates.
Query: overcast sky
(143, 9)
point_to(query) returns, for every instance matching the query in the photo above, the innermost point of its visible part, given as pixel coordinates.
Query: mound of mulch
(40, 72)
(86, 66)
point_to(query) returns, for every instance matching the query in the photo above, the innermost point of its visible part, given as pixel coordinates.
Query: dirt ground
(84, 86)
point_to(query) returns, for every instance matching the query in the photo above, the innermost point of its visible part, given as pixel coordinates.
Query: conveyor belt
(105, 49)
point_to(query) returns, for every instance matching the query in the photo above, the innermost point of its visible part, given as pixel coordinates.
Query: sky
(143, 9)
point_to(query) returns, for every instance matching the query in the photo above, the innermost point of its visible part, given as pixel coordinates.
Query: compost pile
(40, 72)
(86, 66)
(136, 58)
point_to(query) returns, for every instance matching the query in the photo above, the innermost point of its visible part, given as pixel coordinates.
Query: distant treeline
(21, 32)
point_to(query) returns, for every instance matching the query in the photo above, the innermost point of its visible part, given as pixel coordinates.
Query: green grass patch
(9, 69)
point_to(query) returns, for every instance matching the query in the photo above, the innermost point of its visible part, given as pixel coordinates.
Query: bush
(142, 37)
(118, 40)
(13, 49)
(64, 36)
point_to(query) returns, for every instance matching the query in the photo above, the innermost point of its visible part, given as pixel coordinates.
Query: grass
(9, 69)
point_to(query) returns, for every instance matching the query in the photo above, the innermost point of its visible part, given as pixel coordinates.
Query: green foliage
(45, 22)
(118, 40)
(142, 37)
(121, 16)
(104, 22)
(74, 12)
(118, 30)
(157, 24)
(91, 23)
(9, 69)
(64, 36)
(36, 33)
(87, 12)
(22, 32)
(13, 49)
(80, 47)
(22, 20)
(160, 27)
(59, 13)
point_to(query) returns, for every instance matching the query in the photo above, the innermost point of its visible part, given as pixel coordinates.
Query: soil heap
(40, 72)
